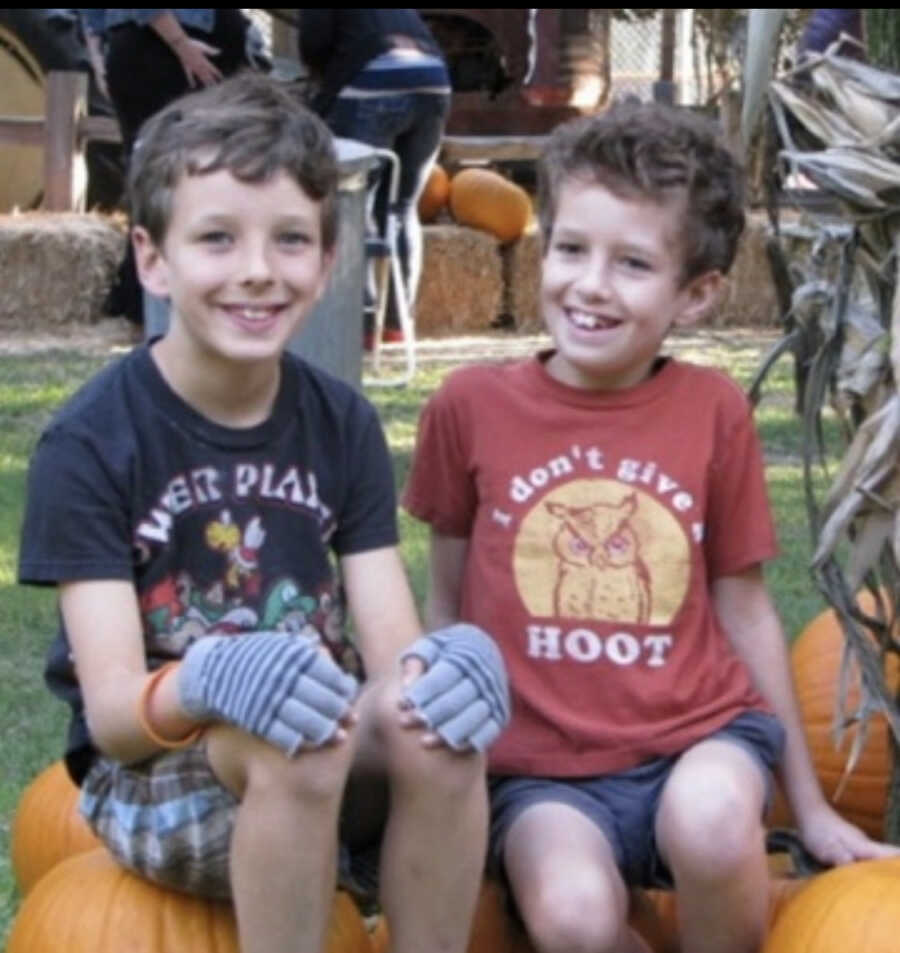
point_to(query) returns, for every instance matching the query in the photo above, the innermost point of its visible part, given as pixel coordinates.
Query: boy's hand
(463, 697)
(278, 686)
(834, 840)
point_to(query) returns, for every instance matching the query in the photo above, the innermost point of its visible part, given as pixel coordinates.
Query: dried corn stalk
(838, 126)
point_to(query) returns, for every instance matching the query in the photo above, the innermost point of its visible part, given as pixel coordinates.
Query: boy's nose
(592, 282)
(256, 267)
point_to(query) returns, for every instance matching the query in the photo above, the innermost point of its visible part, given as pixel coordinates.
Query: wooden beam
(491, 148)
(21, 130)
(63, 147)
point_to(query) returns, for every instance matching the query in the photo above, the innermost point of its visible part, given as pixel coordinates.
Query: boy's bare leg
(434, 843)
(710, 831)
(566, 883)
(284, 846)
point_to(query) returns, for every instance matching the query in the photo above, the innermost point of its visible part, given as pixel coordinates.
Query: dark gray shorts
(624, 805)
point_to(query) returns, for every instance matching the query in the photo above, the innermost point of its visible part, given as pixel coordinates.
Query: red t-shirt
(597, 522)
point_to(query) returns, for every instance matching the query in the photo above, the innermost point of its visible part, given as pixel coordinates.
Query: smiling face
(243, 264)
(612, 285)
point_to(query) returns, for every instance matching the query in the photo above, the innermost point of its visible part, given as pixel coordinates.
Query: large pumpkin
(486, 200)
(816, 662)
(47, 826)
(89, 904)
(848, 908)
(435, 194)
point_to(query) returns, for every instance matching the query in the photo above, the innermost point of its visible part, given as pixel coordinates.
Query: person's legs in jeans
(417, 147)
(144, 75)
(411, 125)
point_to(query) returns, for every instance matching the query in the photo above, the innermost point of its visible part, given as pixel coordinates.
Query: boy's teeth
(255, 314)
(589, 321)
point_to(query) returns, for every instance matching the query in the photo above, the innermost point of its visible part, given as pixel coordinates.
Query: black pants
(144, 75)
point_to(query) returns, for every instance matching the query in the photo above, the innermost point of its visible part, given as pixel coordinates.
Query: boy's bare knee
(249, 766)
(575, 918)
(410, 763)
(713, 834)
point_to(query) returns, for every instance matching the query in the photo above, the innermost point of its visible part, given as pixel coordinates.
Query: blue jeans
(411, 125)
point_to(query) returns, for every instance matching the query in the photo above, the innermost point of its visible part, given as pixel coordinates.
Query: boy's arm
(103, 624)
(748, 617)
(383, 609)
(454, 681)
(290, 692)
(446, 564)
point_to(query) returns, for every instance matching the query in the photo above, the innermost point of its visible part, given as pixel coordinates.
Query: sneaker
(388, 336)
(392, 336)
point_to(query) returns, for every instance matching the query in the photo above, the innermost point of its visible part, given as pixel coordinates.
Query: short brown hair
(655, 152)
(250, 125)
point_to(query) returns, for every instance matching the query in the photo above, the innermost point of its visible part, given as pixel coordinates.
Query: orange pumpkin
(486, 200)
(848, 908)
(434, 196)
(815, 662)
(47, 826)
(89, 904)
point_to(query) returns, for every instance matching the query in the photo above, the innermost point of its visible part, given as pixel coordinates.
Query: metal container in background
(332, 335)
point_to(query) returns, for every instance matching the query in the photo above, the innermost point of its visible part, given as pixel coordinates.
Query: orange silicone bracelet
(143, 712)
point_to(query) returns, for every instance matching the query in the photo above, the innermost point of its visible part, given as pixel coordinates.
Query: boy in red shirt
(601, 510)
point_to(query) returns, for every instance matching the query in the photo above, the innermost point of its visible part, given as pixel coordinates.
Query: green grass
(32, 386)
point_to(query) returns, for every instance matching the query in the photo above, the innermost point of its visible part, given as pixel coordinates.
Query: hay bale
(749, 298)
(56, 268)
(461, 289)
(522, 268)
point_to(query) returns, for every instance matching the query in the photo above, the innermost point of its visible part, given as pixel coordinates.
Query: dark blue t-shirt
(221, 530)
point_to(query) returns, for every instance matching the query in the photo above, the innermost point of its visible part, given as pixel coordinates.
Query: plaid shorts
(170, 819)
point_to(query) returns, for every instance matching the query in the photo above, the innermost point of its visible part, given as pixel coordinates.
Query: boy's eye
(636, 264)
(294, 239)
(216, 238)
(567, 248)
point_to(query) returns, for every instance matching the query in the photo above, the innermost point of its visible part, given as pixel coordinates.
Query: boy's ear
(700, 294)
(151, 265)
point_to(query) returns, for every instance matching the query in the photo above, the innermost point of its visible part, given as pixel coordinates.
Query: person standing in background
(382, 80)
(144, 59)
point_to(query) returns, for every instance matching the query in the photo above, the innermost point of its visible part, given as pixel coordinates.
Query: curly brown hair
(655, 152)
(250, 125)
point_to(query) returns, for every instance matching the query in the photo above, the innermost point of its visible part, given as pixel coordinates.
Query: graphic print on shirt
(241, 549)
(600, 573)
(604, 551)
(178, 611)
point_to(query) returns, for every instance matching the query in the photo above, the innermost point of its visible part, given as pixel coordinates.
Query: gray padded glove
(276, 685)
(463, 696)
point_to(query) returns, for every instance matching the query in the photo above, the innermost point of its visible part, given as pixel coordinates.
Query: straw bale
(461, 289)
(749, 298)
(56, 268)
(522, 267)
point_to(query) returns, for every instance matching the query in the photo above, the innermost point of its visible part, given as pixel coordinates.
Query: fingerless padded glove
(278, 686)
(464, 695)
